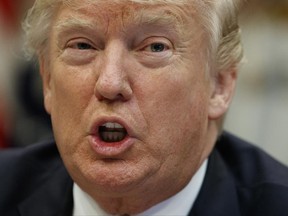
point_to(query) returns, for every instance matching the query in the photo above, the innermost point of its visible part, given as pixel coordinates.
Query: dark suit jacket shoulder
(34, 181)
(240, 180)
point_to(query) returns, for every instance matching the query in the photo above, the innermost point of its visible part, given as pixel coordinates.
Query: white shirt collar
(178, 205)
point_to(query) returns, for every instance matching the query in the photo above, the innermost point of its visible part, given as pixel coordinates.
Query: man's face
(127, 89)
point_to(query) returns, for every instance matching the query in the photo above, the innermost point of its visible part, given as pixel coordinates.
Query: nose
(113, 81)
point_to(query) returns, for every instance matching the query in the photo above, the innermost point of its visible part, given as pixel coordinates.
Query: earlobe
(223, 91)
(45, 75)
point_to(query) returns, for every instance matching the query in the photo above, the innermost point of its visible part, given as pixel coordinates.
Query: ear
(45, 74)
(222, 92)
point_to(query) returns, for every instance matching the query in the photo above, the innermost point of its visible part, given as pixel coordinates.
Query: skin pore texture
(149, 74)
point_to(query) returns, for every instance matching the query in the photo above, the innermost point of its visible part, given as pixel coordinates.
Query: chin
(110, 176)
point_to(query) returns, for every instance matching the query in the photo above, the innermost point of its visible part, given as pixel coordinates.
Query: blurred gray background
(259, 112)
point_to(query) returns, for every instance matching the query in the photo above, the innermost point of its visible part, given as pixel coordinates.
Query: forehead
(122, 5)
(151, 2)
(177, 13)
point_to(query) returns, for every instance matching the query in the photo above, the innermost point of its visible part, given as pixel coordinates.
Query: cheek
(71, 88)
(175, 109)
(71, 93)
(176, 113)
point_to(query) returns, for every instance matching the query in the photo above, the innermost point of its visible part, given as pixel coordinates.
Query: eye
(156, 47)
(155, 52)
(83, 46)
(79, 51)
(80, 45)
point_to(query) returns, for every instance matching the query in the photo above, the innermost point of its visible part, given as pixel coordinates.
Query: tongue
(111, 135)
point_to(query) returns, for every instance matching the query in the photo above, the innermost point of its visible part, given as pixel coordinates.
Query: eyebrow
(72, 23)
(163, 17)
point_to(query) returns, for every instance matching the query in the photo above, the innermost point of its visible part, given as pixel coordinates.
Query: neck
(131, 205)
(168, 207)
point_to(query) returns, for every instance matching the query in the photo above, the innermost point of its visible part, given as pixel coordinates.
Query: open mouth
(111, 132)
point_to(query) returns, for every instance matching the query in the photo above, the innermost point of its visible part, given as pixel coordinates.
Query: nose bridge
(113, 61)
(113, 80)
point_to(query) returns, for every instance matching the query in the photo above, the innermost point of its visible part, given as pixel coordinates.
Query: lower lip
(114, 149)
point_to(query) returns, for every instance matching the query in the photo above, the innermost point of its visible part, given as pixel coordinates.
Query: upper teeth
(112, 125)
(112, 132)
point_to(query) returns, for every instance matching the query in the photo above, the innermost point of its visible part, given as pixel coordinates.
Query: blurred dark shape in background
(31, 123)
(23, 119)
(8, 23)
(4, 121)
(8, 11)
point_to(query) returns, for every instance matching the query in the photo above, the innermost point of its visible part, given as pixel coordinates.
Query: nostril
(109, 94)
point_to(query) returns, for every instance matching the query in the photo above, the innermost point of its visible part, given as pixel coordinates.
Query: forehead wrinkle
(172, 17)
(123, 15)
(163, 19)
